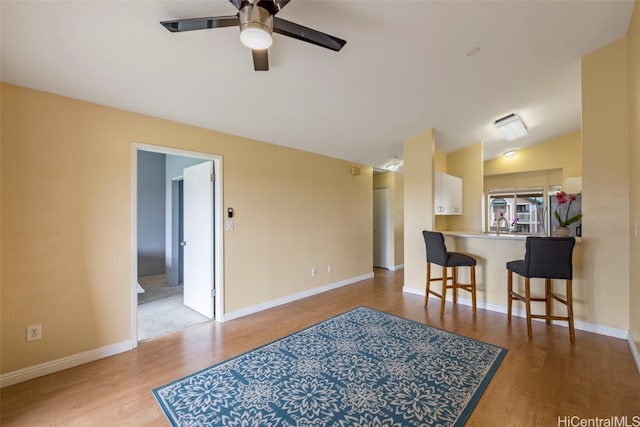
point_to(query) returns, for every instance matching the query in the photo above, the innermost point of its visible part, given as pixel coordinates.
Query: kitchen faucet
(500, 203)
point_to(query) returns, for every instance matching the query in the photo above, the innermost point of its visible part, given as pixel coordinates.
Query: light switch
(229, 225)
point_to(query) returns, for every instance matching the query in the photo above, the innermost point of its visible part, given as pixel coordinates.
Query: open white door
(198, 238)
(382, 229)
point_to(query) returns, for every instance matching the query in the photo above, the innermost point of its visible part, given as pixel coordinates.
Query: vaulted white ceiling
(407, 66)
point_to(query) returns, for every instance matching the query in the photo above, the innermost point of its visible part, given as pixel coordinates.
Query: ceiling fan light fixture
(511, 127)
(256, 25)
(254, 36)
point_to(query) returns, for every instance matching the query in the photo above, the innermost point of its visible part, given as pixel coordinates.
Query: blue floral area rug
(362, 368)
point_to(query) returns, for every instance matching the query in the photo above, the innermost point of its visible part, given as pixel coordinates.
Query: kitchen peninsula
(538, 168)
(600, 273)
(598, 157)
(492, 253)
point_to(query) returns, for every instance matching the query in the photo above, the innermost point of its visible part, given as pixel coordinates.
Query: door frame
(218, 230)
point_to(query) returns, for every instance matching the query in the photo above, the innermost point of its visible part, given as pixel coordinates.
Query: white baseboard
(634, 351)
(578, 324)
(414, 291)
(31, 372)
(397, 267)
(290, 298)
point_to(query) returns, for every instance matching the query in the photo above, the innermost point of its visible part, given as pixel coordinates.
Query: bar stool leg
(547, 295)
(455, 284)
(572, 332)
(444, 290)
(428, 284)
(527, 293)
(473, 289)
(509, 294)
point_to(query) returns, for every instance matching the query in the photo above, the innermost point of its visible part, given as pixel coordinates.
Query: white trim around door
(218, 238)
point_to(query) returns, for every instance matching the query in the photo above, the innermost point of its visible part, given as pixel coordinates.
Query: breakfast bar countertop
(502, 236)
(481, 235)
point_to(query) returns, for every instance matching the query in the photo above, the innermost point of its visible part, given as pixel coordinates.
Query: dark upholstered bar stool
(437, 254)
(547, 258)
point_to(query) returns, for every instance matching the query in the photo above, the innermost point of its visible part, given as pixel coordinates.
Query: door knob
(183, 243)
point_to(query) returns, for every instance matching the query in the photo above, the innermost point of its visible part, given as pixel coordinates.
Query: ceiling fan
(257, 21)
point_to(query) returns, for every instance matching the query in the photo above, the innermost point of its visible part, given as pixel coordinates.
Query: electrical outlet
(314, 272)
(330, 268)
(34, 332)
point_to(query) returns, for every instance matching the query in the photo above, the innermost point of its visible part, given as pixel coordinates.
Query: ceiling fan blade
(201, 23)
(272, 6)
(260, 59)
(291, 29)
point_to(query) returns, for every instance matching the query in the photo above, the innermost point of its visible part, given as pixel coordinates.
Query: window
(518, 210)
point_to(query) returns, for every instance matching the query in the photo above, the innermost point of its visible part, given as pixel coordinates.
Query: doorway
(382, 229)
(177, 275)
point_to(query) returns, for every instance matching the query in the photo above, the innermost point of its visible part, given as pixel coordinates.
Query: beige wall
(467, 164)
(563, 152)
(418, 154)
(395, 183)
(66, 212)
(633, 46)
(543, 178)
(440, 161)
(605, 183)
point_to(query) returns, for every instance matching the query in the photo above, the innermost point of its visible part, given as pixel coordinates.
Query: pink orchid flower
(561, 199)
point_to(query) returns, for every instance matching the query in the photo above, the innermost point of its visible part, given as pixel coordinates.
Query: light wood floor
(539, 380)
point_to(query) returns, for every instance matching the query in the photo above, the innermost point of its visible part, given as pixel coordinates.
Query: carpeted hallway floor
(161, 311)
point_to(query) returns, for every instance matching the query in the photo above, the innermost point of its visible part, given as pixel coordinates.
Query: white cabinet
(454, 186)
(448, 194)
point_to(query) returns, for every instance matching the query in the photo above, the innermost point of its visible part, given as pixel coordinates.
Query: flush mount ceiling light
(394, 164)
(256, 25)
(511, 127)
(509, 153)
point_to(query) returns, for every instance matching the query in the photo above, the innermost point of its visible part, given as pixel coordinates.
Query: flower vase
(559, 231)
